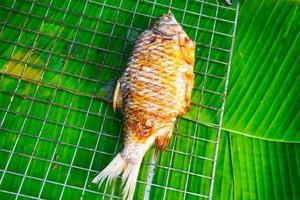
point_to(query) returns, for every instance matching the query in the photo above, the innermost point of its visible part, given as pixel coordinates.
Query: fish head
(167, 25)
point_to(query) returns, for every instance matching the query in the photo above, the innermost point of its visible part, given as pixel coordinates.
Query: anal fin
(163, 141)
(164, 135)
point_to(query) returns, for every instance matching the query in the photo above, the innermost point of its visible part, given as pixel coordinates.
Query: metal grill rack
(59, 62)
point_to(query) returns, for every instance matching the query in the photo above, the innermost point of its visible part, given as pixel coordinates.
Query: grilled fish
(154, 89)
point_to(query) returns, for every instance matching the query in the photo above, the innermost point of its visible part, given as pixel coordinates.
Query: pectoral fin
(187, 47)
(189, 87)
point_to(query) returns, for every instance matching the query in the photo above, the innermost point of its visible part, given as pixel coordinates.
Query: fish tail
(115, 168)
(129, 179)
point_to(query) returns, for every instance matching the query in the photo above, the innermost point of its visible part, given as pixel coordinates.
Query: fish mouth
(168, 18)
(167, 25)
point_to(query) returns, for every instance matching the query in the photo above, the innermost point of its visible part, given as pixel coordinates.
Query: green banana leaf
(259, 153)
(250, 168)
(263, 99)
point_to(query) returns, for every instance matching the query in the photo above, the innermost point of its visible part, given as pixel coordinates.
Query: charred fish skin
(154, 89)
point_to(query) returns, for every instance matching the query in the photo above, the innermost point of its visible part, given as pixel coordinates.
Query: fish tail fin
(115, 168)
(129, 179)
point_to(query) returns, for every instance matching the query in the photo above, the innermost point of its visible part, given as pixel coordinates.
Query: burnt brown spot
(166, 39)
(162, 142)
(152, 39)
(137, 123)
(189, 75)
(187, 109)
(187, 40)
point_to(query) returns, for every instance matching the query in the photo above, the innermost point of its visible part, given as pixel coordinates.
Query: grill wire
(59, 63)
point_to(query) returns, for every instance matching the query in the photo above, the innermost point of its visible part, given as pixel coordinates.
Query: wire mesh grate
(59, 62)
